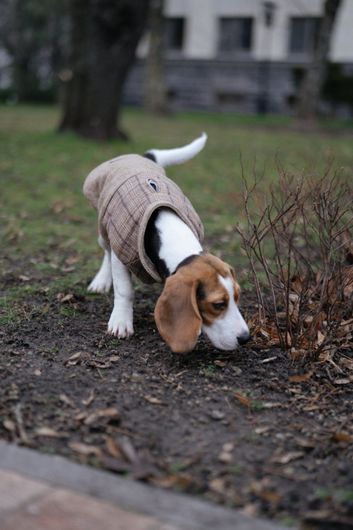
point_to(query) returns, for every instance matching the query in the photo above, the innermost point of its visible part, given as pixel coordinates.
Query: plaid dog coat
(125, 192)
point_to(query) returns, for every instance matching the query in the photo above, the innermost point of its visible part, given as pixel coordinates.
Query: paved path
(41, 492)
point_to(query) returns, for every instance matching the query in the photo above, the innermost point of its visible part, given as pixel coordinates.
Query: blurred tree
(311, 85)
(104, 37)
(30, 33)
(338, 87)
(155, 90)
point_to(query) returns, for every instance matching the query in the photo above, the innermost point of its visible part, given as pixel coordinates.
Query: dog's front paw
(120, 325)
(100, 284)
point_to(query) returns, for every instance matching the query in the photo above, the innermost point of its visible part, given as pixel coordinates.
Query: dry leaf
(250, 509)
(181, 481)
(85, 449)
(128, 450)
(305, 443)
(288, 339)
(300, 378)
(318, 515)
(114, 358)
(264, 333)
(217, 485)
(110, 412)
(271, 405)
(49, 433)
(288, 457)
(310, 408)
(59, 206)
(342, 437)
(297, 354)
(102, 364)
(9, 425)
(261, 430)
(269, 359)
(216, 414)
(225, 457)
(75, 358)
(81, 416)
(262, 489)
(72, 260)
(219, 363)
(270, 496)
(63, 298)
(297, 284)
(67, 269)
(244, 400)
(320, 338)
(112, 447)
(347, 244)
(294, 307)
(153, 400)
(66, 400)
(89, 400)
(342, 381)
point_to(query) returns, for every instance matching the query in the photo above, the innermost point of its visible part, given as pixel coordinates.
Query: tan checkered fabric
(126, 191)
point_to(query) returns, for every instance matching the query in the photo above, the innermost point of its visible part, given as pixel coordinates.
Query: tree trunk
(310, 89)
(155, 90)
(25, 80)
(75, 78)
(105, 37)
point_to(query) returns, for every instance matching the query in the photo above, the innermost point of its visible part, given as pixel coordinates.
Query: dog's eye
(219, 305)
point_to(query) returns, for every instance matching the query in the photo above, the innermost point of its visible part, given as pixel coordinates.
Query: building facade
(243, 55)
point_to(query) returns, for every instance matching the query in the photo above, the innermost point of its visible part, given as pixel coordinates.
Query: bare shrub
(300, 251)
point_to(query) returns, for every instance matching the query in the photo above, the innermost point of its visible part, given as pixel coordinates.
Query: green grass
(44, 216)
(341, 496)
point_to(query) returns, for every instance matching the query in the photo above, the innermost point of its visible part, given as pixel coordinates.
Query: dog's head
(203, 296)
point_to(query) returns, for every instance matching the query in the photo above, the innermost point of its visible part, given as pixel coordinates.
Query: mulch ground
(250, 429)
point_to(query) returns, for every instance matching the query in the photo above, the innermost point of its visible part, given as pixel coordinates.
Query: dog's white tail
(169, 157)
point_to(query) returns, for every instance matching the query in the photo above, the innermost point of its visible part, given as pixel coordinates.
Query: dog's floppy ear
(177, 315)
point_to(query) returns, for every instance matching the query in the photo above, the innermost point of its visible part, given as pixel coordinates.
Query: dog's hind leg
(102, 281)
(121, 319)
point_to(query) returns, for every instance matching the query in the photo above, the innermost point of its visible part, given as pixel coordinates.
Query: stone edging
(174, 508)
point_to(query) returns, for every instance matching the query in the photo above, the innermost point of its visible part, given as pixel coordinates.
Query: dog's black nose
(243, 339)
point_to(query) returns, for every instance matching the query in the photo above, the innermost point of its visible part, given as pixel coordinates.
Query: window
(235, 34)
(303, 33)
(174, 33)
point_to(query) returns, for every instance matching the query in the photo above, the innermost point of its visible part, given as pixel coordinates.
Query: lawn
(42, 172)
(249, 429)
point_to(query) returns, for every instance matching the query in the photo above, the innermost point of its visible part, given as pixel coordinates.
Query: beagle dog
(200, 292)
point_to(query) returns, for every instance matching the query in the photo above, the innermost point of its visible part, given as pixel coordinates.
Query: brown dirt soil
(234, 427)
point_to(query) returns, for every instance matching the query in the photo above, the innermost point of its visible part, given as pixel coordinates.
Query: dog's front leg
(121, 319)
(102, 281)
